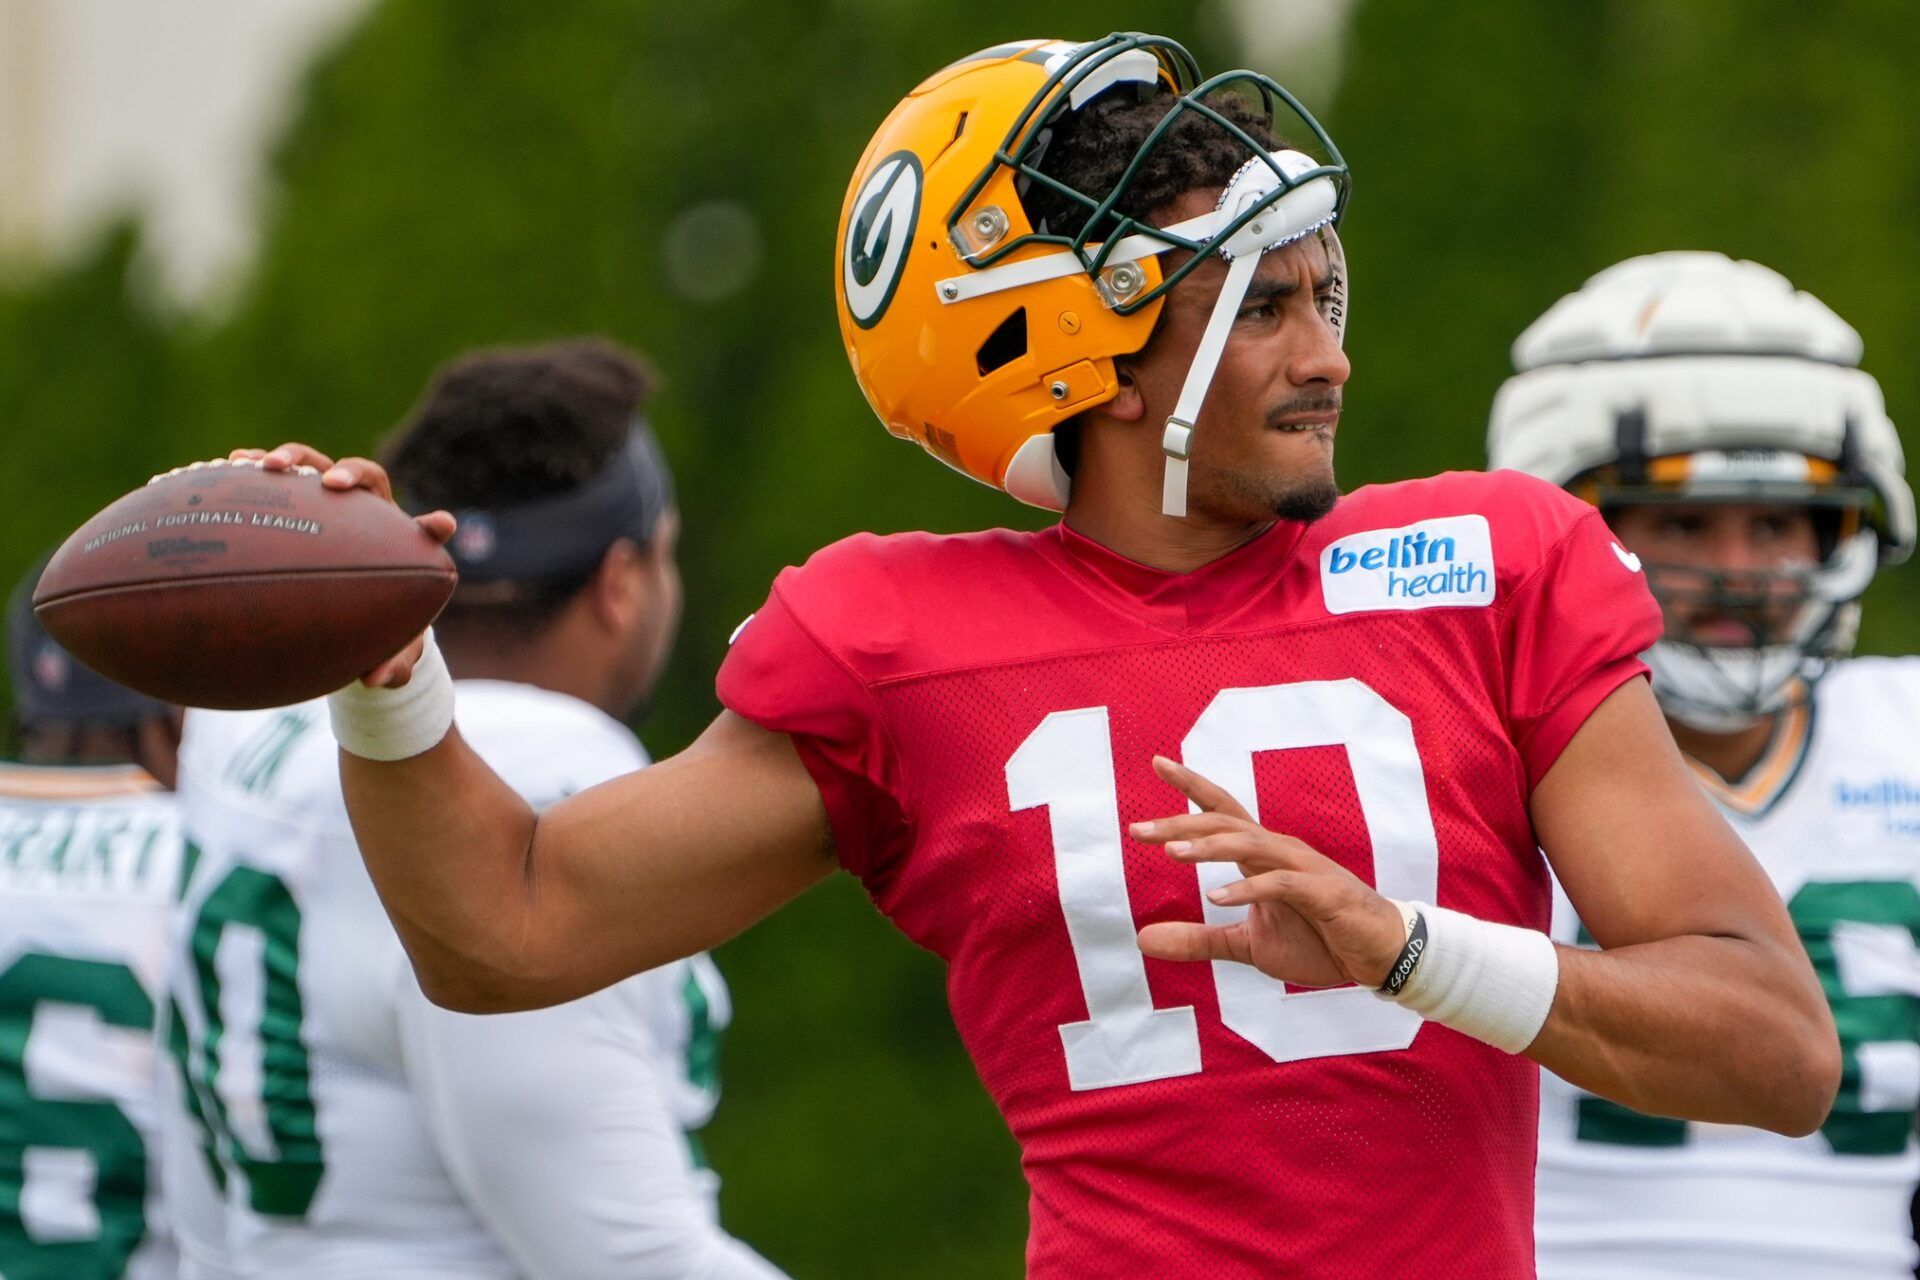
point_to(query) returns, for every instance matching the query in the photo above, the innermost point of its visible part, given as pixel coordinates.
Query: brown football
(224, 585)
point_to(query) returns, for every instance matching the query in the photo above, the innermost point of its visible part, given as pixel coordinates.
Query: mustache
(1318, 402)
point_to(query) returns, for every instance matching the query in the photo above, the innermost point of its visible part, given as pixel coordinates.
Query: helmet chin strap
(1177, 439)
(1290, 214)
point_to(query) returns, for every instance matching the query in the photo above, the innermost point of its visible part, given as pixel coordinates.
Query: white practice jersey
(1833, 814)
(361, 1133)
(89, 863)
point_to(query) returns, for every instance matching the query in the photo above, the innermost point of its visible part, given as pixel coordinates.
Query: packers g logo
(879, 236)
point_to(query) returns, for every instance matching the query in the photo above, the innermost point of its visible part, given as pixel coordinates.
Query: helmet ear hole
(1007, 343)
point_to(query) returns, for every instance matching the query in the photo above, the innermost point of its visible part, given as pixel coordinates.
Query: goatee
(1307, 503)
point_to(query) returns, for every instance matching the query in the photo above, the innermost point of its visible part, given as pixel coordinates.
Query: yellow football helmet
(975, 333)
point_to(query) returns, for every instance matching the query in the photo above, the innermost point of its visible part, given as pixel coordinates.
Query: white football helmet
(1689, 377)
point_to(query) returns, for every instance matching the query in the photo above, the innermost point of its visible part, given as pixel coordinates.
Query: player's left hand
(1309, 921)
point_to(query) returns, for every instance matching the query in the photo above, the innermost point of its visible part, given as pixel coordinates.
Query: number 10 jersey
(1388, 684)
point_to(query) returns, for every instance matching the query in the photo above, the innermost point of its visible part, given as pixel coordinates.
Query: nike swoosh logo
(1627, 558)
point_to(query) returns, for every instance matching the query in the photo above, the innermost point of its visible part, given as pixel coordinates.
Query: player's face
(1263, 445)
(1727, 574)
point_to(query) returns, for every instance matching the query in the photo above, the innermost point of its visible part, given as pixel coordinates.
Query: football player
(1314, 740)
(89, 861)
(357, 1129)
(1720, 421)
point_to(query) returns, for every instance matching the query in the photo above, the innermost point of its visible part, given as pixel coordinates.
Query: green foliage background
(478, 171)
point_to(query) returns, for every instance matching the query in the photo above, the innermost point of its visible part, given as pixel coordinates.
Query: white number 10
(1066, 765)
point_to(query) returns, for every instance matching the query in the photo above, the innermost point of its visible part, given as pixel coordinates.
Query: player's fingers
(1303, 890)
(1184, 940)
(358, 473)
(1255, 850)
(439, 525)
(1232, 846)
(391, 674)
(246, 455)
(294, 454)
(397, 670)
(1202, 792)
(1187, 826)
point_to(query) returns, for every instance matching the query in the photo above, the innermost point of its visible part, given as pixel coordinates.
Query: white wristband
(1493, 982)
(393, 724)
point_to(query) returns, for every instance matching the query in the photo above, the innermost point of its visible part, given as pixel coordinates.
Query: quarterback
(1719, 420)
(1221, 799)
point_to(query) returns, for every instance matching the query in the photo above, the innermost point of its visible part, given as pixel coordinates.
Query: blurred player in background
(89, 862)
(359, 1130)
(975, 725)
(1719, 420)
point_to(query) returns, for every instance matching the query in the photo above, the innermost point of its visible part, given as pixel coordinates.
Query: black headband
(570, 531)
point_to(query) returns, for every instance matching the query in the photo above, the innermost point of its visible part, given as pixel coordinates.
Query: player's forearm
(501, 910)
(446, 841)
(1722, 1029)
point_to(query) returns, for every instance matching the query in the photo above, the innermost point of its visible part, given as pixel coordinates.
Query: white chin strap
(1289, 214)
(1176, 441)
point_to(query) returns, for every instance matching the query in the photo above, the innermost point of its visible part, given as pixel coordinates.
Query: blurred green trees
(90, 397)
(477, 171)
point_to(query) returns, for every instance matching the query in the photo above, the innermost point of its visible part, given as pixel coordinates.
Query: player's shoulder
(545, 745)
(1503, 519)
(130, 853)
(120, 785)
(283, 756)
(1871, 690)
(890, 603)
(906, 563)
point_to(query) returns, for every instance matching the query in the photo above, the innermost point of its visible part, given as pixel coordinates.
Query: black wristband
(1409, 958)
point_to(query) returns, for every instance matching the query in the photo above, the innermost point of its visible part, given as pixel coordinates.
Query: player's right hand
(1309, 921)
(357, 473)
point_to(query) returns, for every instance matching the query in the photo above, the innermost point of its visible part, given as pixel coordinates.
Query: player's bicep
(677, 857)
(1641, 851)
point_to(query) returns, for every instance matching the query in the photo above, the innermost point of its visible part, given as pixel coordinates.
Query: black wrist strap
(1409, 958)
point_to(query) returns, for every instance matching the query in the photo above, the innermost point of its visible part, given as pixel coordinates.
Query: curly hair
(1090, 149)
(512, 424)
(509, 425)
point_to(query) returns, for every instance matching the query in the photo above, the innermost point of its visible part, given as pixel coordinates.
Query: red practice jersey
(1388, 684)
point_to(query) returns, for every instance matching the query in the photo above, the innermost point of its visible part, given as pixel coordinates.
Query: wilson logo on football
(879, 236)
(1428, 565)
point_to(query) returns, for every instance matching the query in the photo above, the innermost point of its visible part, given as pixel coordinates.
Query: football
(228, 586)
